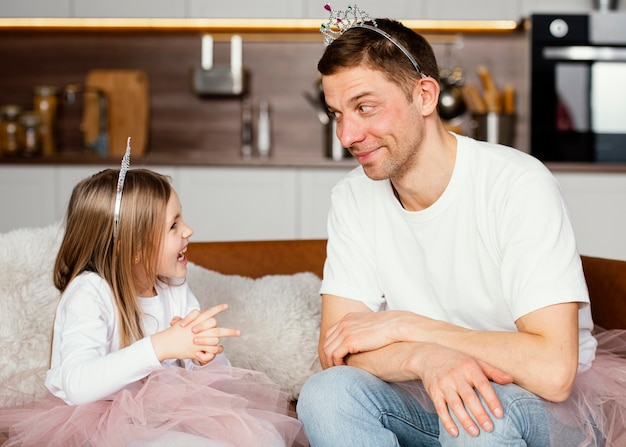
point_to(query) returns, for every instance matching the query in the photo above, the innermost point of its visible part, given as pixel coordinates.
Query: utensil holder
(333, 147)
(495, 128)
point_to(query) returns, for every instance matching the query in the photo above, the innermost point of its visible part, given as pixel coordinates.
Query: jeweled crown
(342, 20)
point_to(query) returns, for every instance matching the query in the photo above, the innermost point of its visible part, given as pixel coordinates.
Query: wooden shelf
(230, 26)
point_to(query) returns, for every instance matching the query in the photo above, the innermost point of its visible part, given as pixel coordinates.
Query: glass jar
(9, 143)
(30, 133)
(45, 103)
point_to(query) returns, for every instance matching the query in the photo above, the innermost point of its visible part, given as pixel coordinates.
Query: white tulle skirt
(218, 406)
(597, 405)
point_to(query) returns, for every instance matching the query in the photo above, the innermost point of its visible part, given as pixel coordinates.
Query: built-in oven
(578, 87)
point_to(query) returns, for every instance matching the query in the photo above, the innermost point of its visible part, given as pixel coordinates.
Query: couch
(606, 278)
(271, 287)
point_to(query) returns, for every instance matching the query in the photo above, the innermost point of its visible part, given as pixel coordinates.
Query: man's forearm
(392, 363)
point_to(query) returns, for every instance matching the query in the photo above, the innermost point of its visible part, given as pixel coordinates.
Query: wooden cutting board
(128, 95)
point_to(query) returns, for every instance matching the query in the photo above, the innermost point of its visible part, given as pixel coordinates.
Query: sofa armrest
(606, 281)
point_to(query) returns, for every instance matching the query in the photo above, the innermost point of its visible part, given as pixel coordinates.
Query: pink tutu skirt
(597, 405)
(217, 406)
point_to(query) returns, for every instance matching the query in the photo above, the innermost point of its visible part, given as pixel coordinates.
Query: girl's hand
(200, 341)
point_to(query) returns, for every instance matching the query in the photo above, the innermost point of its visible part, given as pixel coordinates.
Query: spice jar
(9, 144)
(45, 103)
(30, 133)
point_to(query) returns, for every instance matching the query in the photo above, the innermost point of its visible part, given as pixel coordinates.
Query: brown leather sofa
(606, 278)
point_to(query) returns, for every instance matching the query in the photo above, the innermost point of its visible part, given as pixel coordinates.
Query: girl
(134, 362)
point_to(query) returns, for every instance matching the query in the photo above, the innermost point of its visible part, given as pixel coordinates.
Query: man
(454, 306)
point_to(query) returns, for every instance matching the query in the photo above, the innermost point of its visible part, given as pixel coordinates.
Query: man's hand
(453, 381)
(367, 331)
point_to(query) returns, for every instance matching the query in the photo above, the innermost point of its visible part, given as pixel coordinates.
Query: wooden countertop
(194, 157)
(206, 158)
(233, 158)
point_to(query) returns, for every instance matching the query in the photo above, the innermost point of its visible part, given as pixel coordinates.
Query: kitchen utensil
(322, 113)
(605, 5)
(45, 103)
(473, 99)
(451, 102)
(492, 96)
(29, 133)
(332, 146)
(127, 95)
(9, 144)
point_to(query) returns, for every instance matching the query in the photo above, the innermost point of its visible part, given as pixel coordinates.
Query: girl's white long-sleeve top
(87, 363)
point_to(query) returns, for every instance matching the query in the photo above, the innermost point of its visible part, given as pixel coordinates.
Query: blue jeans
(346, 406)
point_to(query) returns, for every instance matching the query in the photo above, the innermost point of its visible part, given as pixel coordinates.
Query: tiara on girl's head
(120, 186)
(341, 21)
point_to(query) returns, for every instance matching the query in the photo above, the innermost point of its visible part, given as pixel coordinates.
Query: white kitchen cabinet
(133, 9)
(27, 196)
(398, 9)
(464, 10)
(37, 196)
(35, 8)
(597, 203)
(276, 9)
(314, 200)
(232, 203)
(529, 7)
(262, 203)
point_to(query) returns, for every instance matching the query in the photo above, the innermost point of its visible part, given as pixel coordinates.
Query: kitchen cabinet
(597, 203)
(36, 196)
(257, 203)
(219, 203)
(134, 9)
(314, 200)
(238, 203)
(400, 9)
(474, 10)
(264, 203)
(27, 196)
(36, 8)
(276, 9)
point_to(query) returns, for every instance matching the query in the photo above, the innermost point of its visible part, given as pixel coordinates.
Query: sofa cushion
(279, 320)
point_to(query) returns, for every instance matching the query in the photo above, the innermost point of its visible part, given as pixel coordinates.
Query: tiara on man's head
(341, 21)
(120, 187)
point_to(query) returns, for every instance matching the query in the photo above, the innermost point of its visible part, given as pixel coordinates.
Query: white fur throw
(278, 315)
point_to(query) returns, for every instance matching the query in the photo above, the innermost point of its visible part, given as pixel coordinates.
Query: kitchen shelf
(247, 26)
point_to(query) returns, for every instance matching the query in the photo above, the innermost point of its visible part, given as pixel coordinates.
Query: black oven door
(578, 93)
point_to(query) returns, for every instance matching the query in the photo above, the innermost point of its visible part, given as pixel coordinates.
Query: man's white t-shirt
(497, 245)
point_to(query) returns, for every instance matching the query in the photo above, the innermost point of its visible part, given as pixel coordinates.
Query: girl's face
(172, 262)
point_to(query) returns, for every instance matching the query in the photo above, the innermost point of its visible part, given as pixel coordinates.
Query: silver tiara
(120, 186)
(341, 21)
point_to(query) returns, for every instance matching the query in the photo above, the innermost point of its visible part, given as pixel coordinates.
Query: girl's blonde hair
(88, 243)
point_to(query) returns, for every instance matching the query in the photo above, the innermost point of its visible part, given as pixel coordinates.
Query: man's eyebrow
(352, 100)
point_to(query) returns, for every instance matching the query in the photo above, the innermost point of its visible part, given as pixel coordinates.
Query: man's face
(375, 121)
